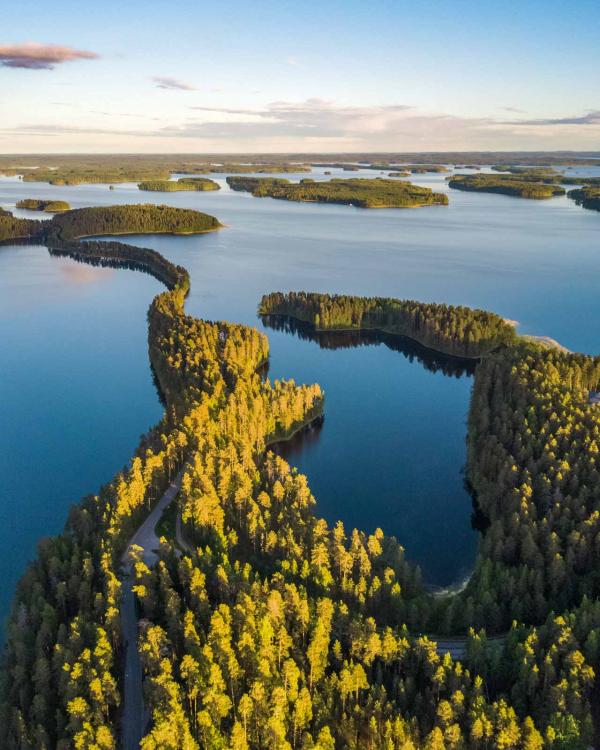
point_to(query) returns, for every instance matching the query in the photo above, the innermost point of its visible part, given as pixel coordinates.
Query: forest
(12, 228)
(263, 626)
(145, 218)
(183, 183)
(523, 185)
(588, 197)
(365, 193)
(459, 331)
(50, 206)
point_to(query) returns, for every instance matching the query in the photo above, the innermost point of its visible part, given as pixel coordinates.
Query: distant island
(424, 168)
(526, 185)
(588, 197)
(365, 193)
(258, 168)
(33, 204)
(183, 183)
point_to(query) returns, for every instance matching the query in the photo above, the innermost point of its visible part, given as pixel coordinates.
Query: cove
(391, 447)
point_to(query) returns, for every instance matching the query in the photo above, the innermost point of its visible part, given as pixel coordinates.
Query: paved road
(135, 716)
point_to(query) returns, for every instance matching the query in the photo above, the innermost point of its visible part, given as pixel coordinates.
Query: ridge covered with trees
(366, 193)
(459, 331)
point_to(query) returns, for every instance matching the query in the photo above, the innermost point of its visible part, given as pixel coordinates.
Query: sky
(328, 76)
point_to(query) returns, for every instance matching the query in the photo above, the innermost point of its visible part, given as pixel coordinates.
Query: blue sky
(310, 76)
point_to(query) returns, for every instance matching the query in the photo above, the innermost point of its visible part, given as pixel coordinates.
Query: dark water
(77, 390)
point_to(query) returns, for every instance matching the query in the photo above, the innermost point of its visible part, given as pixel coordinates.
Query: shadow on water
(410, 349)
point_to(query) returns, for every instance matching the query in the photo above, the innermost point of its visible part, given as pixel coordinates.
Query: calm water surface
(77, 390)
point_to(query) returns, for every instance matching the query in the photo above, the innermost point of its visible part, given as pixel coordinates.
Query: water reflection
(430, 359)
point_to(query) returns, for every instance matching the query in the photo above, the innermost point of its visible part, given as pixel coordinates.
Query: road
(135, 716)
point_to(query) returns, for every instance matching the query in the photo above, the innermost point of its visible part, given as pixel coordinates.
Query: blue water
(77, 390)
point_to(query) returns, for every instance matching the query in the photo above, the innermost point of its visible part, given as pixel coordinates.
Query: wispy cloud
(516, 110)
(291, 61)
(591, 118)
(35, 56)
(322, 125)
(168, 82)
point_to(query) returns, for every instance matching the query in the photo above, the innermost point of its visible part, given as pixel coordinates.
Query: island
(588, 197)
(526, 185)
(130, 219)
(108, 220)
(257, 168)
(50, 206)
(424, 168)
(364, 193)
(183, 183)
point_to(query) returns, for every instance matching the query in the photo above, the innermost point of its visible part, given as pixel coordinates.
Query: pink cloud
(34, 56)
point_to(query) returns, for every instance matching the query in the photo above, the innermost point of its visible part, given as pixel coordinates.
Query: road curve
(135, 716)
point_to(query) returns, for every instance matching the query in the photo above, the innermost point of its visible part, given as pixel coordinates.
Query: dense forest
(12, 228)
(459, 331)
(50, 206)
(104, 220)
(146, 218)
(265, 627)
(526, 185)
(183, 183)
(588, 197)
(377, 193)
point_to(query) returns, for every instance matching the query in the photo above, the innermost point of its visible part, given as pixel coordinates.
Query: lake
(77, 389)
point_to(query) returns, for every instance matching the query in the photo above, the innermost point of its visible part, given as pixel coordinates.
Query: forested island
(105, 220)
(262, 626)
(528, 185)
(460, 331)
(588, 197)
(145, 218)
(365, 193)
(183, 183)
(50, 206)
(258, 168)
(424, 168)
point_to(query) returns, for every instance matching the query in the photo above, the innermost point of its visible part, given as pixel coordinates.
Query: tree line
(454, 330)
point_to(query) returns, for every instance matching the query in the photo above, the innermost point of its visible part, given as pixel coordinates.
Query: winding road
(135, 716)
